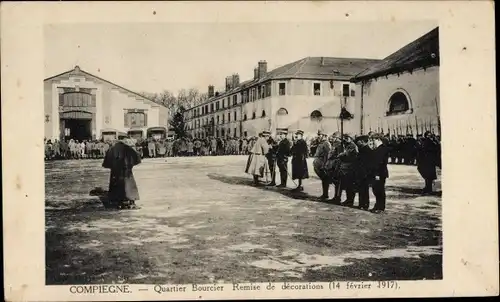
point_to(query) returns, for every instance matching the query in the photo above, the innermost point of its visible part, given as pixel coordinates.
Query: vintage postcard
(248, 150)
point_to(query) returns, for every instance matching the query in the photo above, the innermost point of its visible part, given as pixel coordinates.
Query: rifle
(416, 124)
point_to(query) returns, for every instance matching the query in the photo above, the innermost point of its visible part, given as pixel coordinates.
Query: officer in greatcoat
(282, 154)
(271, 159)
(257, 162)
(380, 172)
(321, 156)
(427, 160)
(299, 153)
(364, 171)
(348, 158)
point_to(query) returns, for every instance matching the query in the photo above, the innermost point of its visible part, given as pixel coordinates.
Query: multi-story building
(305, 94)
(400, 94)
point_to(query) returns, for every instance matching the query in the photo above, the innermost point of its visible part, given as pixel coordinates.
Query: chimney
(228, 83)
(211, 91)
(322, 61)
(236, 80)
(255, 73)
(262, 69)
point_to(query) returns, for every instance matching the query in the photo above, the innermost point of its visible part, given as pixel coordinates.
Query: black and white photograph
(277, 157)
(248, 150)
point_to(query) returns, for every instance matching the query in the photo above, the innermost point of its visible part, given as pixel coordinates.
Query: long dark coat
(121, 158)
(427, 159)
(299, 164)
(322, 152)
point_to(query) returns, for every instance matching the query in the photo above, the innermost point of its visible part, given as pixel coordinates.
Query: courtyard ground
(201, 221)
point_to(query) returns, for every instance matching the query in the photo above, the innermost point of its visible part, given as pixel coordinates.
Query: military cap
(376, 136)
(299, 132)
(265, 132)
(321, 132)
(336, 134)
(363, 138)
(282, 131)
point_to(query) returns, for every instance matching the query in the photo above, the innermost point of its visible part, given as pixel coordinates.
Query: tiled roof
(314, 68)
(423, 52)
(321, 68)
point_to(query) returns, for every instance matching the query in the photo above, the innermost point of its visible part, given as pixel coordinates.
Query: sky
(152, 57)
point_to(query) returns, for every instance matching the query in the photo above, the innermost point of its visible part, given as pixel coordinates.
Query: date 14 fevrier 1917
(364, 285)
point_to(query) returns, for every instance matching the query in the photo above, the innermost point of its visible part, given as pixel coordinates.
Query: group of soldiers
(351, 164)
(74, 149)
(209, 146)
(151, 147)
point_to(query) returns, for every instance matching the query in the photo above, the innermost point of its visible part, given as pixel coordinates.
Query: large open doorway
(77, 129)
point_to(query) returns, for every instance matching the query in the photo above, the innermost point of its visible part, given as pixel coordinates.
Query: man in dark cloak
(121, 158)
(299, 164)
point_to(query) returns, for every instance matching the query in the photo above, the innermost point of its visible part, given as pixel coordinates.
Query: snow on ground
(202, 221)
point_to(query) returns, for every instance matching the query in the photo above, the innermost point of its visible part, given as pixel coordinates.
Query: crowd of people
(150, 148)
(351, 164)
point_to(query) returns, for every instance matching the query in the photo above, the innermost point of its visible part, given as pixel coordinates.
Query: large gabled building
(400, 94)
(82, 106)
(304, 94)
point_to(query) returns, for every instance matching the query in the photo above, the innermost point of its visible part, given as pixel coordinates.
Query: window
(316, 115)
(245, 117)
(244, 97)
(135, 119)
(345, 89)
(282, 89)
(282, 111)
(212, 107)
(76, 99)
(229, 116)
(217, 119)
(268, 89)
(317, 88)
(263, 113)
(235, 100)
(353, 92)
(398, 103)
(262, 91)
(235, 116)
(245, 133)
(223, 116)
(253, 115)
(235, 132)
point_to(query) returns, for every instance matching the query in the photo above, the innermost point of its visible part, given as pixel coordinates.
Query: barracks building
(305, 95)
(82, 106)
(397, 95)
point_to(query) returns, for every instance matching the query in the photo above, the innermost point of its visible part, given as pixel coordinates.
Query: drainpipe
(361, 116)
